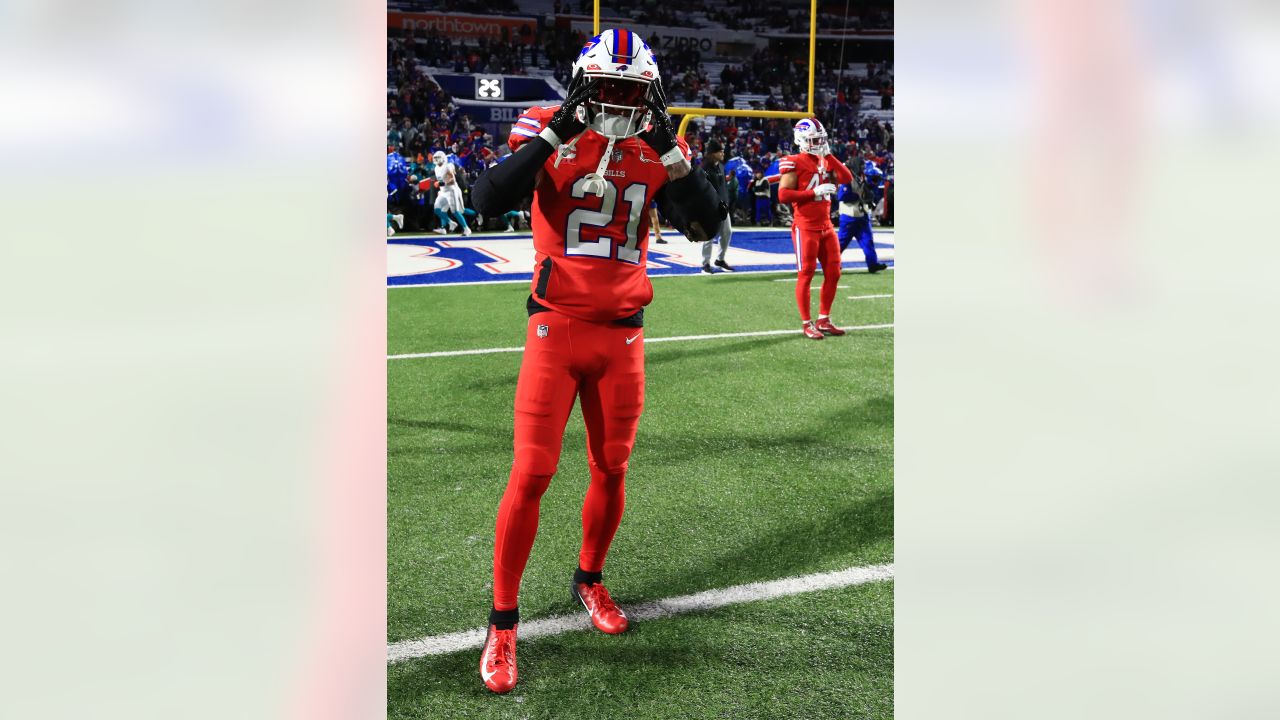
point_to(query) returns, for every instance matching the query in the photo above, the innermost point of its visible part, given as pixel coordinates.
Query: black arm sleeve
(691, 199)
(503, 186)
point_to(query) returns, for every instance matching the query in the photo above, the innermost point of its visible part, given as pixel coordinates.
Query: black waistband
(636, 321)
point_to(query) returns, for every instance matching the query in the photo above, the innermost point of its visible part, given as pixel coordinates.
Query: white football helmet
(811, 137)
(626, 68)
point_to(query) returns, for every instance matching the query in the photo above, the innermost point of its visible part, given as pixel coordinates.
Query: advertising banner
(457, 25)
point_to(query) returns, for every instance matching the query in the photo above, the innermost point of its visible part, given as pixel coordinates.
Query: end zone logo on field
(511, 257)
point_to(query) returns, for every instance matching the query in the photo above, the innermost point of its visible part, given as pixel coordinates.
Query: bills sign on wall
(457, 25)
(494, 116)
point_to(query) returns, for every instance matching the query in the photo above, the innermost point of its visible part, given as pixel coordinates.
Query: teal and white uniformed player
(449, 204)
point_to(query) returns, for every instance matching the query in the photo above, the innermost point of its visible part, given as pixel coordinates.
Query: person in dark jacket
(713, 166)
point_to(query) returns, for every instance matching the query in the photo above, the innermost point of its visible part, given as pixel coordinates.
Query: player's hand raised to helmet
(565, 123)
(662, 135)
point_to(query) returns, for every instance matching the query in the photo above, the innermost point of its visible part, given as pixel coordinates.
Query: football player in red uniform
(809, 182)
(593, 169)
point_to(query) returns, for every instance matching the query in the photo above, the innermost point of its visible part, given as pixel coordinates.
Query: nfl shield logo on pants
(543, 330)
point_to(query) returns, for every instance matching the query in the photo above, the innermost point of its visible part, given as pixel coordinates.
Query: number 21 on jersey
(602, 246)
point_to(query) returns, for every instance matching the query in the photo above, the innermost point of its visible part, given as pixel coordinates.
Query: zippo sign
(662, 37)
(489, 87)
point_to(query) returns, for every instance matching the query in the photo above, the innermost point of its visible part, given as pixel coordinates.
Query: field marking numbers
(707, 600)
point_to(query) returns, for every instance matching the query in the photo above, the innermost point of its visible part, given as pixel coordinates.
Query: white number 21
(603, 247)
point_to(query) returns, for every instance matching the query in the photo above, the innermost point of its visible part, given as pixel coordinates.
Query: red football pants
(813, 247)
(603, 366)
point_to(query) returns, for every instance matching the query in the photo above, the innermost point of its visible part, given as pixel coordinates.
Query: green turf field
(757, 458)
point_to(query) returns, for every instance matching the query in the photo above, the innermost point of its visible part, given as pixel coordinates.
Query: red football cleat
(604, 614)
(825, 327)
(812, 332)
(498, 661)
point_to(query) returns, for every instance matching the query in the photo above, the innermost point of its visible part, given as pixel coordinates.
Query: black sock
(504, 619)
(590, 578)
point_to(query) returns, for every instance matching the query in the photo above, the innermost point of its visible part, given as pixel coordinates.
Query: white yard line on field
(868, 297)
(494, 351)
(707, 600)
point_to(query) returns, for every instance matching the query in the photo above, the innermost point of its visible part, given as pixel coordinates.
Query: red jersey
(812, 171)
(591, 251)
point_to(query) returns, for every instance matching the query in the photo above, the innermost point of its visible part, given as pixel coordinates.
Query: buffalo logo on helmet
(620, 68)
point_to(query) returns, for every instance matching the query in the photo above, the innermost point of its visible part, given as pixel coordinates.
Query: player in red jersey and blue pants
(593, 169)
(809, 181)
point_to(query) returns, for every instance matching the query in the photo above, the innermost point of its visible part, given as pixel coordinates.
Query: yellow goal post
(691, 112)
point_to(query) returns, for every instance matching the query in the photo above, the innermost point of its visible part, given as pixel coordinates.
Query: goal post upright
(813, 46)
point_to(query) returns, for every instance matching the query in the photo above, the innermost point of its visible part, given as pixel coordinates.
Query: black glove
(565, 123)
(663, 135)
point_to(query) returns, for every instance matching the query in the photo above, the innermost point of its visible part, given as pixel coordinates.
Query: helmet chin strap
(595, 182)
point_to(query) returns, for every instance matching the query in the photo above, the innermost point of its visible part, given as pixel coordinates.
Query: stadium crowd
(423, 119)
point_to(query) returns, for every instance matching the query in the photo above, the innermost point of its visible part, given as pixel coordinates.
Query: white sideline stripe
(494, 351)
(868, 297)
(707, 600)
